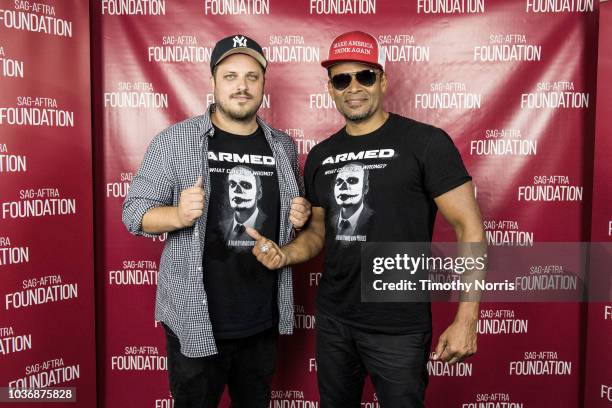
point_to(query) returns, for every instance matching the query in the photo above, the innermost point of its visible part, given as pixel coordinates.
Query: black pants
(246, 365)
(397, 365)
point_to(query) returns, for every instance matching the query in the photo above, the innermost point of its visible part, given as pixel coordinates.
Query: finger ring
(264, 248)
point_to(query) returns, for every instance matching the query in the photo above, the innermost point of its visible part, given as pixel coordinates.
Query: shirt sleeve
(295, 165)
(309, 174)
(150, 188)
(442, 165)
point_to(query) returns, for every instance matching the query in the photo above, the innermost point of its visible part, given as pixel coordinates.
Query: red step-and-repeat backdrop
(598, 381)
(47, 320)
(513, 82)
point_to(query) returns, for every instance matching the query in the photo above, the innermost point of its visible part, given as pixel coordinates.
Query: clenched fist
(191, 204)
(300, 212)
(266, 251)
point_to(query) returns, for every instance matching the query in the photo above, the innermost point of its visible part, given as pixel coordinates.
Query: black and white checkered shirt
(173, 162)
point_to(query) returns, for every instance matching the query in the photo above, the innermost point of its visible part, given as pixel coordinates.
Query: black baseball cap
(237, 44)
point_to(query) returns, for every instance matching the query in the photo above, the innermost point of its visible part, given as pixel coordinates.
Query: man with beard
(350, 189)
(414, 170)
(221, 309)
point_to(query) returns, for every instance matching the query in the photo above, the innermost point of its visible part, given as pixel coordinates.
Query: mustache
(356, 95)
(237, 94)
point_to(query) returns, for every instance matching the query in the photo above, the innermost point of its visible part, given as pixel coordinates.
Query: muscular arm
(305, 246)
(309, 241)
(460, 209)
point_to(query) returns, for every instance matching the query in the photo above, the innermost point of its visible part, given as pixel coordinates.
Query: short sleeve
(310, 169)
(442, 165)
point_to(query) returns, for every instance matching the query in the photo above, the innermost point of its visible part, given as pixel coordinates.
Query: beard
(358, 116)
(241, 114)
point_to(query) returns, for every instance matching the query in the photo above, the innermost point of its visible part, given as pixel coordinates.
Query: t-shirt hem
(417, 327)
(238, 334)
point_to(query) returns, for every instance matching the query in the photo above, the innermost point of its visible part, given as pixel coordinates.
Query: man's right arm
(307, 244)
(309, 240)
(161, 219)
(166, 219)
(147, 209)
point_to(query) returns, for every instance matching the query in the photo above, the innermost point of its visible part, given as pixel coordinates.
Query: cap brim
(243, 50)
(329, 63)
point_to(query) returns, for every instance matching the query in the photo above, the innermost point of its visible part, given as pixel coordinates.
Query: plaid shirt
(173, 161)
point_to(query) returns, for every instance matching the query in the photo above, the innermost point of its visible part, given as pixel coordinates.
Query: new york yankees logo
(240, 41)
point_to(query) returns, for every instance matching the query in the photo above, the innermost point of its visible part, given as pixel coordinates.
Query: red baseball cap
(355, 46)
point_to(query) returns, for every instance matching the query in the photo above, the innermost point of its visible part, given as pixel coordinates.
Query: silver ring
(264, 248)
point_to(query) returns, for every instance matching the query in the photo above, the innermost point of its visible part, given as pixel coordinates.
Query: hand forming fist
(300, 212)
(191, 204)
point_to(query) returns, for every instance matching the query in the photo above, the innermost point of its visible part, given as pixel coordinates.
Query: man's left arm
(460, 209)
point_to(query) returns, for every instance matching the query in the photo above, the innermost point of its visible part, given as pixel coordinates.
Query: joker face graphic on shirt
(244, 192)
(350, 188)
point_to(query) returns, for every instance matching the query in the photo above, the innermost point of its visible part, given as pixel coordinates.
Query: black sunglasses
(367, 77)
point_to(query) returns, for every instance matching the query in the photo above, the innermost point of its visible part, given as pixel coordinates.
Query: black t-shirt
(244, 192)
(378, 187)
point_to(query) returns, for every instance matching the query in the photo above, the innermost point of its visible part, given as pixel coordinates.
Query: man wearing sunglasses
(413, 170)
(220, 308)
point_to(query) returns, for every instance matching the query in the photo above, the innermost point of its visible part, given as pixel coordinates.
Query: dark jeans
(246, 365)
(397, 365)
